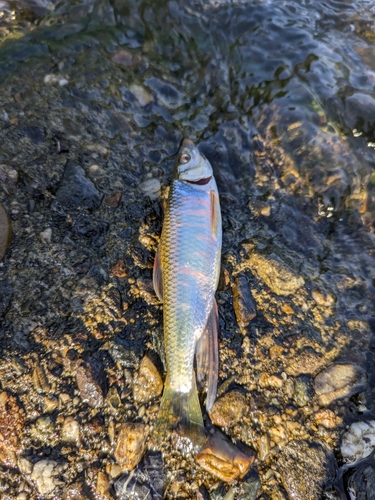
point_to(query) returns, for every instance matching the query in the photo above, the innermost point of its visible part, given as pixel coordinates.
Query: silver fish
(186, 275)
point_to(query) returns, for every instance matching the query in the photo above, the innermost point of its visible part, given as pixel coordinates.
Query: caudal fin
(181, 412)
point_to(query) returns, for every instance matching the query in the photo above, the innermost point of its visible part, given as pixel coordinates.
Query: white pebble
(358, 441)
(151, 188)
(43, 475)
(70, 431)
(46, 235)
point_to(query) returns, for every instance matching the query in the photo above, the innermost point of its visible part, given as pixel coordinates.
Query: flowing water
(280, 97)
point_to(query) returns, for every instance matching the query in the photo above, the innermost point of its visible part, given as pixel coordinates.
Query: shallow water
(280, 97)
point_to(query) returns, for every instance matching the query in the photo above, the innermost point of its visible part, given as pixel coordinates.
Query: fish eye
(185, 158)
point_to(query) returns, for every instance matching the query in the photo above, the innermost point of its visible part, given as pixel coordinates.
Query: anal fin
(207, 355)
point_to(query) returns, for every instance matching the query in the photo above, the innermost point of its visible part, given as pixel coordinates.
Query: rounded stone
(338, 381)
(229, 409)
(148, 383)
(131, 445)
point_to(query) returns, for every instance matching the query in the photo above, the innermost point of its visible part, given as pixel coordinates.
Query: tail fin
(180, 411)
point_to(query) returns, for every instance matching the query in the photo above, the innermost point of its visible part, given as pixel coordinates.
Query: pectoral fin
(207, 355)
(157, 277)
(215, 215)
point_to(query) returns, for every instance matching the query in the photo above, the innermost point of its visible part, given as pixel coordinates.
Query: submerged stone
(276, 274)
(88, 377)
(243, 302)
(361, 484)
(147, 482)
(358, 441)
(229, 409)
(76, 190)
(294, 464)
(338, 381)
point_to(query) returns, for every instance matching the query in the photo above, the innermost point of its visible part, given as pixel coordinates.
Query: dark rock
(360, 112)
(34, 132)
(5, 231)
(123, 356)
(6, 293)
(250, 486)
(243, 302)
(361, 484)
(76, 190)
(89, 381)
(299, 457)
(166, 93)
(148, 481)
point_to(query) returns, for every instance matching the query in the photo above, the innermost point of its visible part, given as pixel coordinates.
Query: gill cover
(191, 166)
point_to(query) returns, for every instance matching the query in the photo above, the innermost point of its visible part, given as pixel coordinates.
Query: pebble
(358, 441)
(131, 445)
(46, 236)
(118, 269)
(11, 423)
(338, 381)
(166, 93)
(326, 418)
(148, 384)
(8, 178)
(147, 482)
(103, 486)
(271, 381)
(277, 275)
(76, 190)
(45, 474)
(243, 302)
(70, 432)
(89, 383)
(125, 58)
(293, 464)
(141, 94)
(323, 298)
(5, 231)
(225, 460)
(305, 362)
(229, 409)
(303, 391)
(263, 447)
(114, 200)
(151, 188)
(52, 79)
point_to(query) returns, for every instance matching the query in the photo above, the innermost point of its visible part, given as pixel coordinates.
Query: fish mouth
(187, 142)
(201, 182)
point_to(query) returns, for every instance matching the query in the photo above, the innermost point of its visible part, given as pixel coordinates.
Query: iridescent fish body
(186, 275)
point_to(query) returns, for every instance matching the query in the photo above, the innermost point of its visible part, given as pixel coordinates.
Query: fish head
(191, 165)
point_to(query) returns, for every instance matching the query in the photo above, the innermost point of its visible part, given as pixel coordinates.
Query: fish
(185, 278)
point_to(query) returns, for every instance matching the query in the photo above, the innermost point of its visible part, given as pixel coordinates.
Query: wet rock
(125, 58)
(250, 487)
(358, 441)
(243, 302)
(114, 200)
(118, 269)
(8, 178)
(303, 391)
(5, 231)
(338, 381)
(360, 112)
(125, 357)
(361, 484)
(277, 275)
(263, 447)
(12, 420)
(297, 458)
(271, 381)
(75, 190)
(103, 486)
(307, 361)
(46, 476)
(326, 418)
(131, 445)
(88, 378)
(46, 236)
(148, 384)
(147, 482)
(70, 432)
(141, 94)
(166, 93)
(151, 188)
(35, 133)
(223, 459)
(229, 409)
(6, 293)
